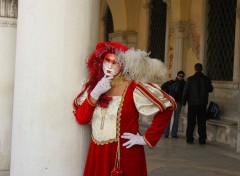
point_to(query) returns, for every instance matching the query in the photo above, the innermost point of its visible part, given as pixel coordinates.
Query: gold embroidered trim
(159, 103)
(104, 142)
(119, 113)
(148, 143)
(90, 102)
(103, 115)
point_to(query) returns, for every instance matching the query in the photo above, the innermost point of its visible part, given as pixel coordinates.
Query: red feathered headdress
(111, 46)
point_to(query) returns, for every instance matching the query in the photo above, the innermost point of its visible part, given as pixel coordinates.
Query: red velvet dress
(101, 157)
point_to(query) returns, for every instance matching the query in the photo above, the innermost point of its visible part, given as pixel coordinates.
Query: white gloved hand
(102, 86)
(134, 139)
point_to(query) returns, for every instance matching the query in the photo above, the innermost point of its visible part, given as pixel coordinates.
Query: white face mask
(110, 65)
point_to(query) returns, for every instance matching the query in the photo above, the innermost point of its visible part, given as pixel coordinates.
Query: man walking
(175, 89)
(196, 93)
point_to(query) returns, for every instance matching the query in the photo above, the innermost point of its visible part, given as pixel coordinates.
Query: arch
(103, 8)
(119, 14)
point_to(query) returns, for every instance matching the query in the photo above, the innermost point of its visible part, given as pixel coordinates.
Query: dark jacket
(197, 89)
(174, 88)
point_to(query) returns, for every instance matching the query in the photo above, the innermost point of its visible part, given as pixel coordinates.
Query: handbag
(117, 170)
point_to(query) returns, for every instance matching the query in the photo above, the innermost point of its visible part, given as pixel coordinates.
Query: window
(108, 23)
(220, 41)
(157, 29)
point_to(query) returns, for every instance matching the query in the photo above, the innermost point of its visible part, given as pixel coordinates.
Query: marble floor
(174, 157)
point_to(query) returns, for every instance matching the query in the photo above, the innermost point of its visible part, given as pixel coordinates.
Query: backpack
(213, 111)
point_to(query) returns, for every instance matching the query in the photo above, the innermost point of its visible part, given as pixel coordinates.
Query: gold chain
(117, 81)
(103, 115)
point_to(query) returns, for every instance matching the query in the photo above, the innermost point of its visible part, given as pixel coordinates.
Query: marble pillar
(7, 49)
(8, 25)
(179, 37)
(53, 40)
(168, 19)
(236, 66)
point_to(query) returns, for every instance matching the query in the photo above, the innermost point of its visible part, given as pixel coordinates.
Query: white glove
(134, 139)
(102, 86)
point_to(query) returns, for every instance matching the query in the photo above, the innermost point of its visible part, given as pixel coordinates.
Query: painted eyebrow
(108, 59)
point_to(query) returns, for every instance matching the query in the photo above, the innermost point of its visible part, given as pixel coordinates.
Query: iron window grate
(157, 29)
(221, 37)
(108, 23)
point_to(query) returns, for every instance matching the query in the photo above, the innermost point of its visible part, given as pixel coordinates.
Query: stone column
(236, 65)
(8, 24)
(179, 29)
(179, 36)
(53, 40)
(236, 74)
(168, 2)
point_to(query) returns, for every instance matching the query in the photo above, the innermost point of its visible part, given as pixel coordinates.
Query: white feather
(140, 67)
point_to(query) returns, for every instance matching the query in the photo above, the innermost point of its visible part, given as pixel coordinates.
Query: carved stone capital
(9, 9)
(180, 29)
(128, 38)
(8, 22)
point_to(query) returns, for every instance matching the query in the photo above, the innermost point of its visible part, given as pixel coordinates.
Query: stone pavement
(173, 157)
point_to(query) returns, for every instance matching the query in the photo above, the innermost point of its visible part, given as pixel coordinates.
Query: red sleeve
(84, 112)
(157, 128)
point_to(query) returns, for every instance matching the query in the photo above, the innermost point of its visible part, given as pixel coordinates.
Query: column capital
(180, 28)
(128, 38)
(187, 30)
(238, 9)
(8, 22)
(11, 6)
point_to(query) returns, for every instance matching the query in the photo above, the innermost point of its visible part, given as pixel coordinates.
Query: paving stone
(174, 157)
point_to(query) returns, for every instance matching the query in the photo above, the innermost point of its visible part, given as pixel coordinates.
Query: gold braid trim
(119, 113)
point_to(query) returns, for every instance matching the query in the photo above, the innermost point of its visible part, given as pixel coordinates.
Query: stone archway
(119, 14)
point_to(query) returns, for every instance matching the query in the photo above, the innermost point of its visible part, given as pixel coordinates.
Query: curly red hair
(95, 71)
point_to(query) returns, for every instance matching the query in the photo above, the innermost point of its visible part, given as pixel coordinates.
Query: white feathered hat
(138, 66)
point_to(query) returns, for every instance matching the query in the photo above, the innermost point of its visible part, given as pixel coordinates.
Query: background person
(175, 89)
(111, 102)
(196, 93)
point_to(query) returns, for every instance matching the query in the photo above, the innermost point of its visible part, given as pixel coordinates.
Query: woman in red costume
(113, 100)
